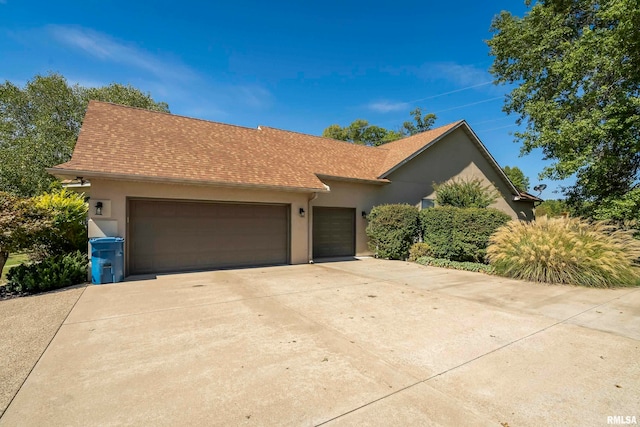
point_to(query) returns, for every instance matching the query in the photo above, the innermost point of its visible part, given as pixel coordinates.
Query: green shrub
(419, 250)
(552, 208)
(21, 224)
(619, 209)
(51, 273)
(456, 265)
(465, 193)
(460, 234)
(68, 230)
(566, 250)
(392, 229)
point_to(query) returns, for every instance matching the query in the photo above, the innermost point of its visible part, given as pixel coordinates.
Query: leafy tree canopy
(420, 123)
(623, 210)
(39, 125)
(362, 133)
(517, 177)
(577, 70)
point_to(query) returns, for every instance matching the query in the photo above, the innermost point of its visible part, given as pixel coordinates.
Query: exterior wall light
(99, 208)
(364, 214)
(301, 212)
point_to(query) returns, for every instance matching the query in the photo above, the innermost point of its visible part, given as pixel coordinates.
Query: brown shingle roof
(134, 143)
(329, 157)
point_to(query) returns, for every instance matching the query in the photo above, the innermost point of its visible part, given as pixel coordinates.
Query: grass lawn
(14, 259)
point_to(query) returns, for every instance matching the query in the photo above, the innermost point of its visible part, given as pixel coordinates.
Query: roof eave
(526, 197)
(144, 178)
(378, 181)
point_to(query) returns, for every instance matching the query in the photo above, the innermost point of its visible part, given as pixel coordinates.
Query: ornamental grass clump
(566, 251)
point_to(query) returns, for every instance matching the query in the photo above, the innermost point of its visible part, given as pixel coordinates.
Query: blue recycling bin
(107, 260)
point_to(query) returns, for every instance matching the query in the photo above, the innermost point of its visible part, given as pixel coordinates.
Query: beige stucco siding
(114, 194)
(455, 157)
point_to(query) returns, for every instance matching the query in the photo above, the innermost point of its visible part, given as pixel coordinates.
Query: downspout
(310, 227)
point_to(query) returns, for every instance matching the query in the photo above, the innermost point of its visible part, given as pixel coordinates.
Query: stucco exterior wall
(455, 157)
(114, 194)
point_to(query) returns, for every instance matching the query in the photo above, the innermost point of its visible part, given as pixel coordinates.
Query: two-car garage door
(183, 235)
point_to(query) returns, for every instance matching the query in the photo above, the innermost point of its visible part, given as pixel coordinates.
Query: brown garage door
(179, 236)
(334, 232)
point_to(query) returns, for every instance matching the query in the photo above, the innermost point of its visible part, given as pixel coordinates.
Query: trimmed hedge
(392, 229)
(52, 273)
(460, 234)
(465, 193)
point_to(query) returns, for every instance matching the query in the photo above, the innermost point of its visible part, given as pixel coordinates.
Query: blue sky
(293, 65)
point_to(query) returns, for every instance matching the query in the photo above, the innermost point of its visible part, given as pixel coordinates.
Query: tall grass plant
(566, 251)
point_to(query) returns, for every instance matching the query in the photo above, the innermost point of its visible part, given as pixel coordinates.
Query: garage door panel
(333, 232)
(175, 236)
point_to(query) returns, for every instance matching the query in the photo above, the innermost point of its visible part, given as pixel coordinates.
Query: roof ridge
(180, 116)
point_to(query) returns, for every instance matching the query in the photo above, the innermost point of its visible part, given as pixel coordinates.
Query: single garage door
(334, 233)
(181, 235)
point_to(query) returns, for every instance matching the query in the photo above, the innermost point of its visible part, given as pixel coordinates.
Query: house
(189, 194)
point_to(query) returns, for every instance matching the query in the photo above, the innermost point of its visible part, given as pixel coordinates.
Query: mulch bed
(7, 294)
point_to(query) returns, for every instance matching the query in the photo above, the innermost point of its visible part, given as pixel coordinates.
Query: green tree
(124, 95)
(420, 123)
(21, 223)
(39, 126)
(517, 177)
(335, 132)
(552, 208)
(362, 133)
(576, 65)
(625, 209)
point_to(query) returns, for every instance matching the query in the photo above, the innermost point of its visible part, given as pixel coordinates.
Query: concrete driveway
(365, 342)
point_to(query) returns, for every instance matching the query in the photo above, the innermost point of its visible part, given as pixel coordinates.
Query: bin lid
(106, 240)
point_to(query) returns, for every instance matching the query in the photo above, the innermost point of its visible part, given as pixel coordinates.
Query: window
(427, 203)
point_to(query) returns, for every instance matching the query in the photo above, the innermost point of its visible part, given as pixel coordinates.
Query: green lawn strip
(14, 259)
